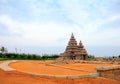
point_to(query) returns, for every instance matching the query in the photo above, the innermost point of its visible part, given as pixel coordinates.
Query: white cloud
(50, 25)
(43, 34)
(48, 34)
(13, 26)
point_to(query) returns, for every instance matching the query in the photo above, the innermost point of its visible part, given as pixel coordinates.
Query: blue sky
(45, 26)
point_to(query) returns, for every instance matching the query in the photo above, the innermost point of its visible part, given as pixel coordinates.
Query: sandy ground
(14, 77)
(0, 62)
(38, 68)
(86, 66)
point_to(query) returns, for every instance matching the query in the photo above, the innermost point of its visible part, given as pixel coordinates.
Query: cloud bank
(39, 26)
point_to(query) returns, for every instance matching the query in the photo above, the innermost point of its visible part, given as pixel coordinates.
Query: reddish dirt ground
(37, 67)
(86, 66)
(15, 77)
(0, 62)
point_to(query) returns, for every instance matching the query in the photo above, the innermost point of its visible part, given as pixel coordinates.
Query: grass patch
(1, 59)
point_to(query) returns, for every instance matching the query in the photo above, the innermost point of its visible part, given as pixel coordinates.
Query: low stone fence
(112, 72)
(109, 60)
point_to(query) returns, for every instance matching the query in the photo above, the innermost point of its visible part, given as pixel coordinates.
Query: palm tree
(3, 50)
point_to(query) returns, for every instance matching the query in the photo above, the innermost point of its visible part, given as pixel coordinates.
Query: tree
(29, 57)
(119, 56)
(91, 56)
(3, 50)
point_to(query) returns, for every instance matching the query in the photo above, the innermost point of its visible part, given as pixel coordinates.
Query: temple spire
(72, 41)
(72, 36)
(80, 44)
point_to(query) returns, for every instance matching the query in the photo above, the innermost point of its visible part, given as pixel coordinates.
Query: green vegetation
(1, 59)
(14, 56)
(113, 56)
(91, 57)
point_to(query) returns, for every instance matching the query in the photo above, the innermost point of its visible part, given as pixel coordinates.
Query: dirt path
(4, 65)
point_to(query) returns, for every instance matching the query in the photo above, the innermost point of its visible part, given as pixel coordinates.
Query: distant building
(74, 51)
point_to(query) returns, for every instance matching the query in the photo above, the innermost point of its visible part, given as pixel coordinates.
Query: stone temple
(74, 51)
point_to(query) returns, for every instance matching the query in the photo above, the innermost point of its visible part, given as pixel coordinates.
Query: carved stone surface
(74, 51)
(112, 72)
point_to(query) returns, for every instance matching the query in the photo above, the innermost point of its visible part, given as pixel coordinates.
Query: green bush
(27, 56)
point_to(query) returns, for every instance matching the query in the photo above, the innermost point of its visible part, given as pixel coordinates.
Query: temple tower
(74, 51)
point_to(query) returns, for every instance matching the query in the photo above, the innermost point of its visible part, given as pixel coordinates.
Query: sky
(45, 26)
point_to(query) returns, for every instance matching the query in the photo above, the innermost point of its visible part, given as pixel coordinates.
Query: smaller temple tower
(74, 51)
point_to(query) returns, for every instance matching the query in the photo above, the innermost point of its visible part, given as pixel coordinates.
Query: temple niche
(74, 51)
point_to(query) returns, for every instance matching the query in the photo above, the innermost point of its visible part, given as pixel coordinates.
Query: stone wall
(110, 60)
(111, 72)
